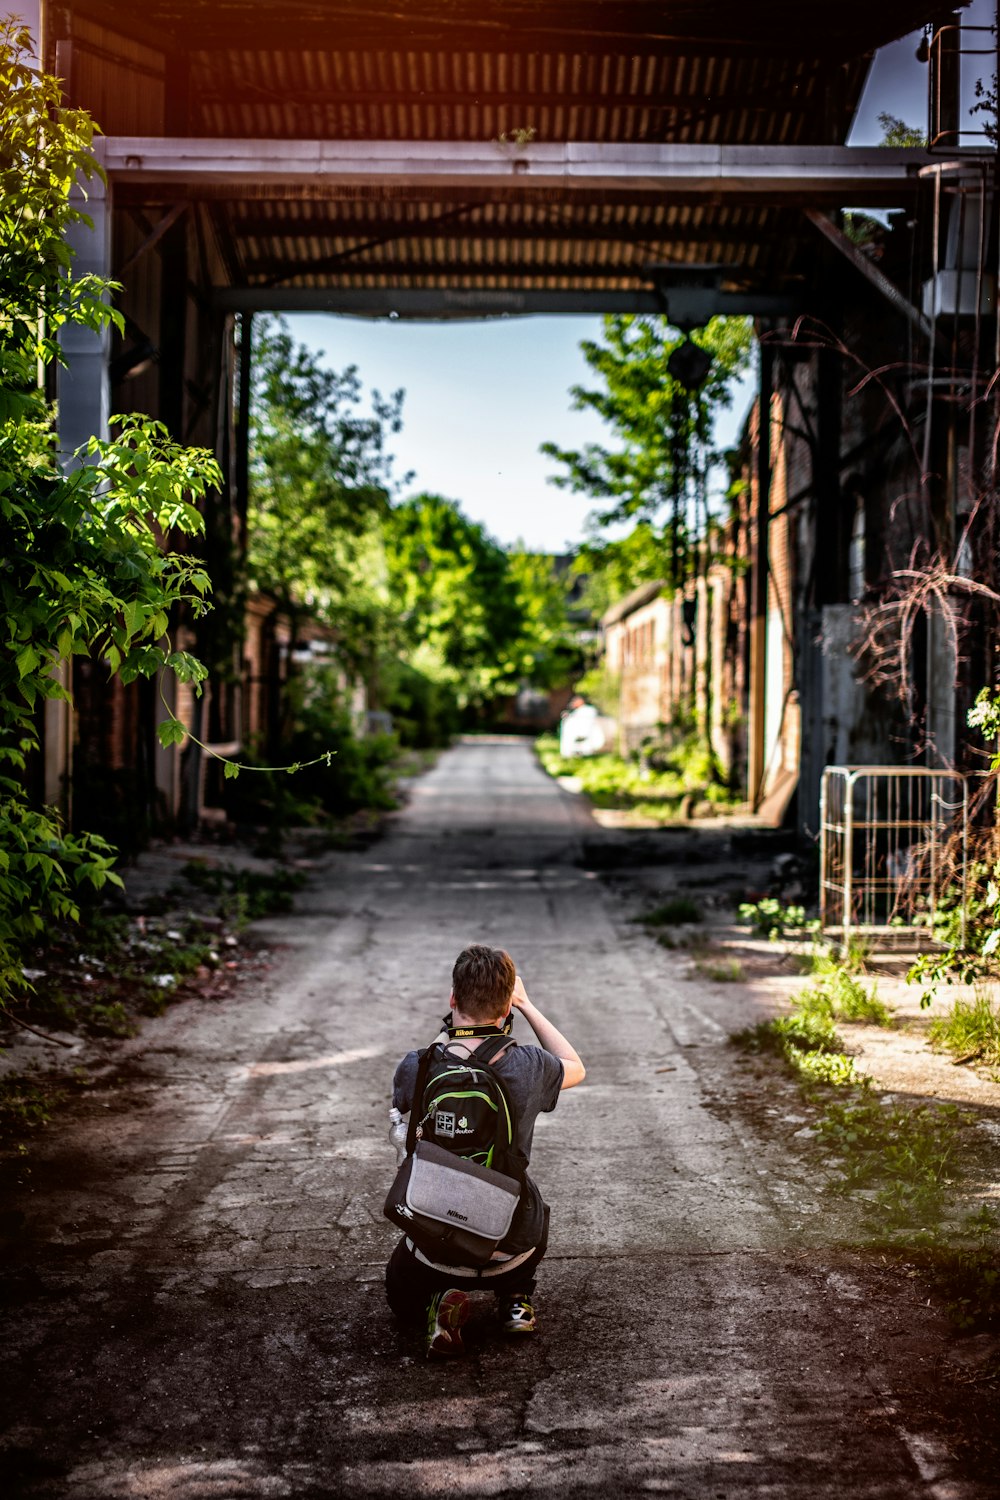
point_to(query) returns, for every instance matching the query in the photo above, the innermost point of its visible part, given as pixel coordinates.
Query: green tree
(896, 132)
(84, 570)
(614, 567)
(321, 479)
(457, 606)
(548, 653)
(656, 475)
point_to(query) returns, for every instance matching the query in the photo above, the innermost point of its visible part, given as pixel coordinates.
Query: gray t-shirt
(531, 1076)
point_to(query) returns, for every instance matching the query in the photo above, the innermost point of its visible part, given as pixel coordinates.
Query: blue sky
(482, 397)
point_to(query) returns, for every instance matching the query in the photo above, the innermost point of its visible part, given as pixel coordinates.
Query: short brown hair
(482, 982)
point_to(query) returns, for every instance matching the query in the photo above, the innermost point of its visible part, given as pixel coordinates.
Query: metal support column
(242, 461)
(83, 387)
(83, 393)
(759, 583)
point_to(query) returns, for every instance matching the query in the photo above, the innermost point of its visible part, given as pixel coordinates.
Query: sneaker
(517, 1314)
(446, 1312)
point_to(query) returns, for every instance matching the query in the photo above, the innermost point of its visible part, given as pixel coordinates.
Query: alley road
(194, 1302)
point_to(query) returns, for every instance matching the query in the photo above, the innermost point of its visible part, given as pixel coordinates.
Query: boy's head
(482, 982)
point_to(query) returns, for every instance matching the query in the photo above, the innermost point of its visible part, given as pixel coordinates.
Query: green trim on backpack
(494, 1143)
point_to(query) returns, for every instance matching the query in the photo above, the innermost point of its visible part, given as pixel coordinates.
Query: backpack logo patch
(444, 1124)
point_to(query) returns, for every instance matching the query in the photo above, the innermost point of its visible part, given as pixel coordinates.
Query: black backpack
(467, 1126)
(461, 1105)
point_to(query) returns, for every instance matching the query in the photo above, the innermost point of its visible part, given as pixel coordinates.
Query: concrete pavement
(194, 1303)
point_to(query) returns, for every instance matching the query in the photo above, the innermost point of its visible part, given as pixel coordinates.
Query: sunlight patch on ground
(310, 1064)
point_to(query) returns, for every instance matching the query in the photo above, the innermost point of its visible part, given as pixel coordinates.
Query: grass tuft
(672, 913)
(971, 1029)
(907, 1149)
(721, 970)
(26, 1103)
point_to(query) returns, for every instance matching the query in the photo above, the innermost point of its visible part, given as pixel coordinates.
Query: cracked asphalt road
(193, 1288)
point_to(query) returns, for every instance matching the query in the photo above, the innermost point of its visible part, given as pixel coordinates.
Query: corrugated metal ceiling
(469, 70)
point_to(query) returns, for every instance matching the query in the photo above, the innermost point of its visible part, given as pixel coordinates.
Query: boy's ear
(451, 1000)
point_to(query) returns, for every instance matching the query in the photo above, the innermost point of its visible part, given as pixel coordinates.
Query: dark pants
(410, 1285)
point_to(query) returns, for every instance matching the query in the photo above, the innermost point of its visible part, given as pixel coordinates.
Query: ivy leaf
(230, 770)
(26, 661)
(171, 732)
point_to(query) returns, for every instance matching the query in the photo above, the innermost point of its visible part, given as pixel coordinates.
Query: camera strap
(465, 1033)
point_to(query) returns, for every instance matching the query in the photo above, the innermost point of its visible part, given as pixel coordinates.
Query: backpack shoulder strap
(429, 1056)
(484, 1056)
(492, 1047)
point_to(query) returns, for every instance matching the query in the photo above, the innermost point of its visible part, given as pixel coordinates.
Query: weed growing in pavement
(25, 1103)
(807, 1040)
(672, 913)
(772, 919)
(898, 1159)
(971, 1029)
(721, 970)
(822, 961)
(844, 996)
(245, 895)
(906, 1151)
(967, 1275)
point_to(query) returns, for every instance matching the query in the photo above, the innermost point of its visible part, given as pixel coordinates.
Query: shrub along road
(194, 1301)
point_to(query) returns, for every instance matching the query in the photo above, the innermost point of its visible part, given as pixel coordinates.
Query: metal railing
(893, 845)
(946, 97)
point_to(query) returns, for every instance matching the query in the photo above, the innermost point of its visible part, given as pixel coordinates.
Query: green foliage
(602, 688)
(99, 975)
(425, 712)
(244, 895)
(896, 132)
(26, 1103)
(967, 1276)
(962, 958)
(321, 480)
(649, 412)
(672, 913)
(966, 922)
(971, 1029)
(908, 1149)
(662, 455)
(610, 781)
(772, 919)
(807, 1040)
(338, 772)
(84, 571)
(984, 715)
(547, 653)
(721, 970)
(614, 566)
(840, 994)
(459, 610)
(986, 105)
(428, 609)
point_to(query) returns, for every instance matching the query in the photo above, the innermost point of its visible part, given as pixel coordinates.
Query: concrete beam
(753, 174)
(689, 305)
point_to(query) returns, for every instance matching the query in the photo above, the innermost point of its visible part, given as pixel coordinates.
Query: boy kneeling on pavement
(485, 987)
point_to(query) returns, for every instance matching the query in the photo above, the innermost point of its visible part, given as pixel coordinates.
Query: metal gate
(893, 843)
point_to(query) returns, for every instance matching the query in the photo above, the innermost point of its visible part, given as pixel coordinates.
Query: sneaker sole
(451, 1315)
